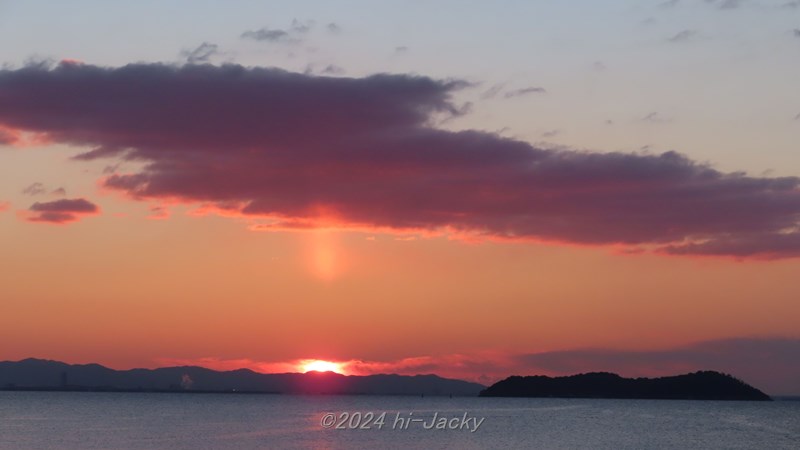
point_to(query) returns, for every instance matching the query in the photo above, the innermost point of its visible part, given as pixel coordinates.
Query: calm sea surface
(64, 420)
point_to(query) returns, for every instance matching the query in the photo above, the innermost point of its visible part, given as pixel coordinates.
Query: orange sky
(622, 194)
(128, 292)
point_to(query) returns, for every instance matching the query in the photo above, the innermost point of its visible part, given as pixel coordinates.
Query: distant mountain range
(694, 386)
(37, 374)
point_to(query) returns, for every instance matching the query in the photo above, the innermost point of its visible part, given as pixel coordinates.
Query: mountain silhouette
(705, 385)
(37, 374)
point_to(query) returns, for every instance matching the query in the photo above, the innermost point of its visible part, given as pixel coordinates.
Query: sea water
(86, 420)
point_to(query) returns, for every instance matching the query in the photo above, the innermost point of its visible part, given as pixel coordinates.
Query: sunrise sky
(473, 189)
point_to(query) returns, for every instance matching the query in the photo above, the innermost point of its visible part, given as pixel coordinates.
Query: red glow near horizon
(317, 365)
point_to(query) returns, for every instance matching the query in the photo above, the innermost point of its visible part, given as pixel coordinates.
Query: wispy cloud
(493, 91)
(293, 34)
(333, 69)
(34, 189)
(38, 188)
(683, 36)
(656, 117)
(551, 133)
(301, 27)
(524, 91)
(329, 69)
(333, 28)
(725, 4)
(496, 89)
(267, 34)
(159, 212)
(728, 4)
(62, 211)
(201, 54)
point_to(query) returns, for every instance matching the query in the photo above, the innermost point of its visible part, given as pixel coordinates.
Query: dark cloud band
(306, 150)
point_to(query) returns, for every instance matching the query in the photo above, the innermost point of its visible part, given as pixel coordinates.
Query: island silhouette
(703, 385)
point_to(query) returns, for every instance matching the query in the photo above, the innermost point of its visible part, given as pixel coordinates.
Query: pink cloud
(306, 151)
(4, 206)
(483, 367)
(17, 138)
(62, 211)
(9, 136)
(777, 369)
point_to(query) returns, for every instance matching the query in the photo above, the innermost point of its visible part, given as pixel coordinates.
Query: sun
(318, 365)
